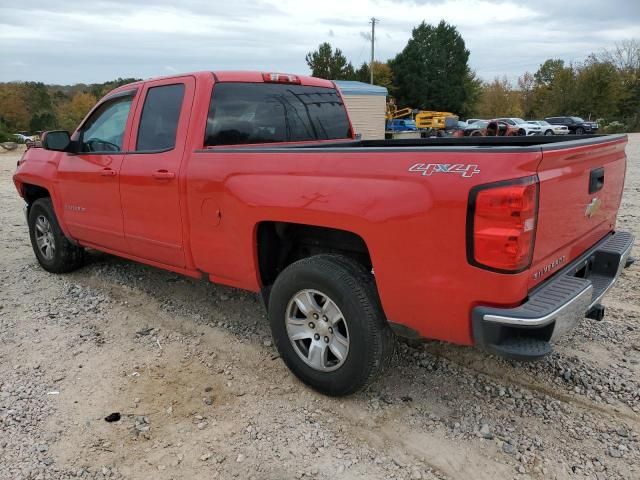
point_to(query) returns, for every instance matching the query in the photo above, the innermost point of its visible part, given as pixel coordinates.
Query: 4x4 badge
(426, 169)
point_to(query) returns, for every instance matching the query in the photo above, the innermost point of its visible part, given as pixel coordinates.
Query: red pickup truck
(257, 180)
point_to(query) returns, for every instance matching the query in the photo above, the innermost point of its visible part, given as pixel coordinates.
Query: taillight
(501, 225)
(280, 78)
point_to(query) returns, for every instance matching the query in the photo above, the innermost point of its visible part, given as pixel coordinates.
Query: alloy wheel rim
(317, 330)
(44, 237)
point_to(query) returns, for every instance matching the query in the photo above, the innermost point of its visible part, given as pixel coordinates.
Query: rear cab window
(252, 113)
(160, 117)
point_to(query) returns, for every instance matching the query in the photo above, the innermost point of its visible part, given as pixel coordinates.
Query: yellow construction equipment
(393, 112)
(436, 120)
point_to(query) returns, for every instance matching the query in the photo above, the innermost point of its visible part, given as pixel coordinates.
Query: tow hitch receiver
(596, 312)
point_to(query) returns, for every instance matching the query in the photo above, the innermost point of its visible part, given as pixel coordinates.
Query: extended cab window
(159, 119)
(104, 129)
(242, 113)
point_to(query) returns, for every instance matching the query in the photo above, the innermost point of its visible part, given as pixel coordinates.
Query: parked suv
(576, 125)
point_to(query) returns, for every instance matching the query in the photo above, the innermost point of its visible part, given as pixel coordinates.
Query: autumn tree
(527, 91)
(13, 107)
(382, 74)
(625, 56)
(71, 113)
(598, 89)
(499, 99)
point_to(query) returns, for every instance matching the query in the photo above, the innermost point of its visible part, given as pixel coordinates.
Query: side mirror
(56, 140)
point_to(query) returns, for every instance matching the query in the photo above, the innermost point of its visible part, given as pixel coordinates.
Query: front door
(88, 180)
(150, 173)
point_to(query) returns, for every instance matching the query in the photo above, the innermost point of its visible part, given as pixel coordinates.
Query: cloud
(74, 41)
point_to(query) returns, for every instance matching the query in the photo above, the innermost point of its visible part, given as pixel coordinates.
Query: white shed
(367, 105)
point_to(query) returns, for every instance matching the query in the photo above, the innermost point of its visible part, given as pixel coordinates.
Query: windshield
(518, 120)
(577, 119)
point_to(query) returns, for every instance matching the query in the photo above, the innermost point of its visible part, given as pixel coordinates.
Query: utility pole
(373, 22)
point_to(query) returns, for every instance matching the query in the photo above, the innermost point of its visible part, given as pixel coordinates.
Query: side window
(159, 119)
(104, 129)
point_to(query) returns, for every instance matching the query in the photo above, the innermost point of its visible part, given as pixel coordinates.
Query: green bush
(4, 133)
(615, 127)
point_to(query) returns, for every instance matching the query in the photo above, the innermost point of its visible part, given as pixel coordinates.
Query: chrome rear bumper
(555, 307)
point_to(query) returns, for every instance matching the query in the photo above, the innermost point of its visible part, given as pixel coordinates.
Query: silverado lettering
(258, 181)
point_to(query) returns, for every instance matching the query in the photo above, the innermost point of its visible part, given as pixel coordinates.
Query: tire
(346, 291)
(548, 132)
(55, 253)
(579, 131)
(522, 133)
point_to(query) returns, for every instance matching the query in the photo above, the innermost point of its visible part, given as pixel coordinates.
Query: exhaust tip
(596, 312)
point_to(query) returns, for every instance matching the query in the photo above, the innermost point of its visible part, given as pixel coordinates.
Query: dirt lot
(202, 394)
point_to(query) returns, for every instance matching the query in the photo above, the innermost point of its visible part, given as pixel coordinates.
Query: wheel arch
(31, 192)
(280, 243)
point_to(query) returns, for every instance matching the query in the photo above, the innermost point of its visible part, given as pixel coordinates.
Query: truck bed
(519, 144)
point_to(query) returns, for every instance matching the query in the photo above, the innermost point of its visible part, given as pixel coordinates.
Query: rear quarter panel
(414, 225)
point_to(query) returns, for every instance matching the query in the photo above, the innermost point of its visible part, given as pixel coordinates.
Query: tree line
(432, 73)
(34, 106)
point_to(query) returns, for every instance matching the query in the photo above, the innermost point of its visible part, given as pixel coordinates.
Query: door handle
(107, 172)
(596, 180)
(163, 175)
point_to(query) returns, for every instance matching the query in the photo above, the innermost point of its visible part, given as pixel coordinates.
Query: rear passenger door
(150, 174)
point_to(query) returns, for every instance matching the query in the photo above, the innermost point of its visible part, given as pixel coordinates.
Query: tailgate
(581, 186)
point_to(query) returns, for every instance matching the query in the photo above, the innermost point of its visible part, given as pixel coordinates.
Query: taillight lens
(502, 225)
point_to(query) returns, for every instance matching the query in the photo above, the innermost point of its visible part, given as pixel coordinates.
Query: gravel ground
(201, 392)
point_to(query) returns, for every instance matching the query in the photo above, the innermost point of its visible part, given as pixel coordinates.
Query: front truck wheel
(328, 325)
(55, 253)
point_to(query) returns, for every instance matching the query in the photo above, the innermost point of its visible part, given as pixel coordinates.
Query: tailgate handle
(596, 180)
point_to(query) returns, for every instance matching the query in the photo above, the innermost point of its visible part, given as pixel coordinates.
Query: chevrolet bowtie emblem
(593, 207)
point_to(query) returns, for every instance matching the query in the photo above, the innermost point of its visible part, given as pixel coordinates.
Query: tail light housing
(501, 225)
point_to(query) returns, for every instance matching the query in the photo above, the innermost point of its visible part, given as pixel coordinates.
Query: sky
(72, 41)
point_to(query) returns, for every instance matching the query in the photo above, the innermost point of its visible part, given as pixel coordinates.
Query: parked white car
(549, 129)
(524, 128)
(20, 137)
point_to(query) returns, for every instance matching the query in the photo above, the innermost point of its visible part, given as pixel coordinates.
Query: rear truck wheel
(579, 131)
(327, 324)
(55, 253)
(548, 132)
